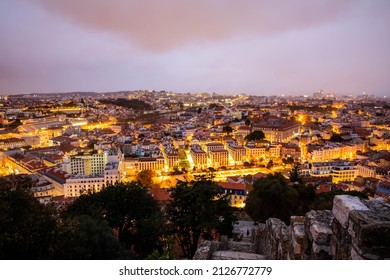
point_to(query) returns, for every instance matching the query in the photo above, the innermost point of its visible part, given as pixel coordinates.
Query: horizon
(262, 48)
(309, 95)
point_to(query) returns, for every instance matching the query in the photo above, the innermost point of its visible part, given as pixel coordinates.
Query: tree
(135, 104)
(306, 196)
(86, 238)
(146, 178)
(247, 122)
(324, 201)
(130, 210)
(336, 138)
(294, 174)
(288, 160)
(270, 164)
(196, 210)
(255, 135)
(30, 230)
(26, 226)
(227, 129)
(271, 197)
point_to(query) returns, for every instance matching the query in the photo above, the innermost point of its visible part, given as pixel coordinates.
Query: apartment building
(238, 153)
(219, 157)
(199, 157)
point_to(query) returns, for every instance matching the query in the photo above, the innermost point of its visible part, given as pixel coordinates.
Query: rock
(355, 229)
(318, 228)
(298, 234)
(343, 204)
(340, 242)
(205, 250)
(370, 230)
(277, 239)
(355, 255)
(259, 238)
(321, 250)
(241, 246)
(233, 255)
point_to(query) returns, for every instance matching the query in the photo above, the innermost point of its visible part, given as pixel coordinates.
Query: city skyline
(253, 47)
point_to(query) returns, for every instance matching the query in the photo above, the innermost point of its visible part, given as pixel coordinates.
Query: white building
(91, 164)
(80, 184)
(339, 170)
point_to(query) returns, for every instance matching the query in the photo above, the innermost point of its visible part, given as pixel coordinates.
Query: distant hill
(134, 104)
(65, 94)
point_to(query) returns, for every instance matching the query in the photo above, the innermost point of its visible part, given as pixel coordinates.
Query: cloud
(164, 25)
(223, 46)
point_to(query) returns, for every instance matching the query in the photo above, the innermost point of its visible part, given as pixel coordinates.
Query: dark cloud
(260, 47)
(162, 25)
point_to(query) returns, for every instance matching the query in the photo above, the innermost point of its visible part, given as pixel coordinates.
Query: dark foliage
(135, 104)
(130, 210)
(197, 209)
(272, 197)
(255, 135)
(227, 129)
(336, 138)
(30, 230)
(324, 201)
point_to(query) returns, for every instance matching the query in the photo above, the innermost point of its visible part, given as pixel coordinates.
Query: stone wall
(354, 229)
(362, 229)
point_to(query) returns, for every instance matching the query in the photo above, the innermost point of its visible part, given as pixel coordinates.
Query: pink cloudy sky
(225, 46)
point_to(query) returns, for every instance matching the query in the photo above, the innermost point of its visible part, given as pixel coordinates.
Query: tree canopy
(227, 129)
(30, 230)
(324, 201)
(135, 104)
(197, 209)
(25, 224)
(255, 135)
(271, 197)
(294, 174)
(145, 177)
(336, 138)
(130, 210)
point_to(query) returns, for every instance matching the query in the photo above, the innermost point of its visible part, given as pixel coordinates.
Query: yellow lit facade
(254, 153)
(219, 157)
(199, 156)
(238, 153)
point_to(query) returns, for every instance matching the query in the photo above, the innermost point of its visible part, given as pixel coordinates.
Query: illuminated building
(43, 192)
(277, 129)
(330, 151)
(244, 130)
(88, 164)
(380, 143)
(171, 158)
(12, 143)
(253, 152)
(156, 164)
(238, 153)
(199, 156)
(274, 151)
(291, 151)
(318, 95)
(346, 173)
(366, 171)
(341, 171)
(219, 157)
(213, 146)
(237, 193)
(75, 185)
